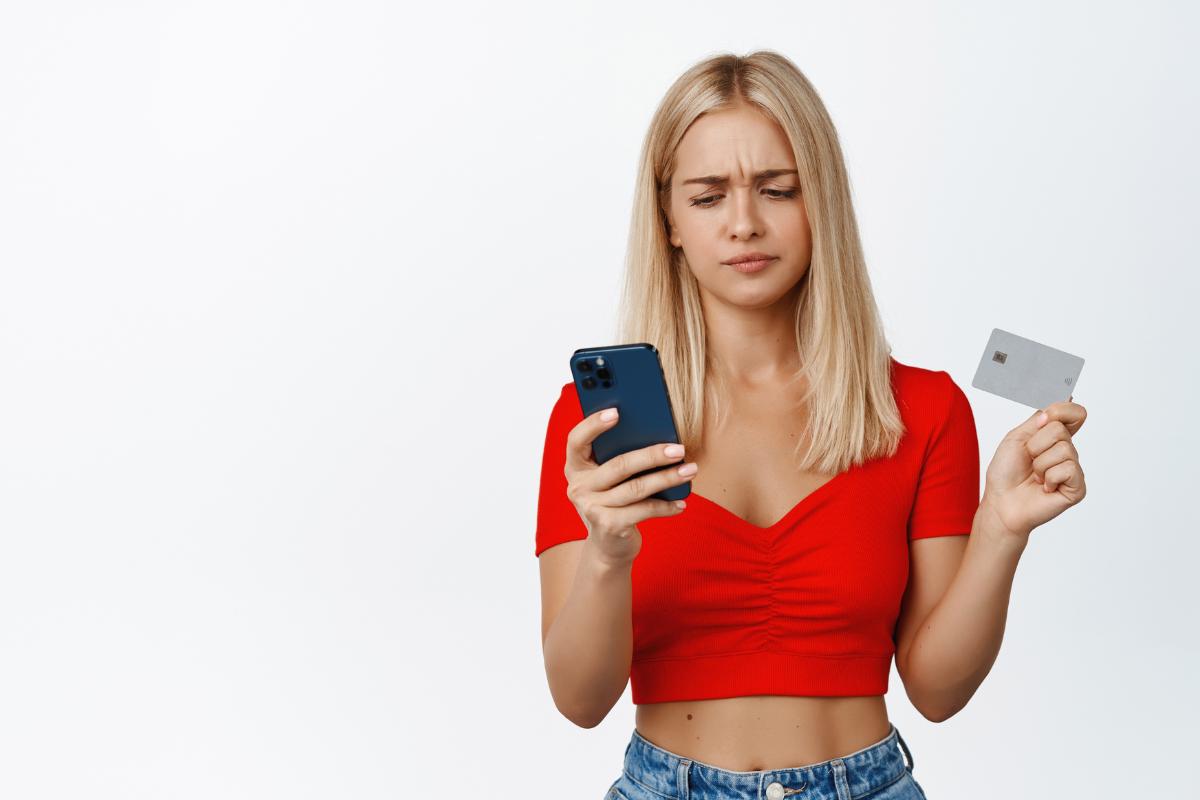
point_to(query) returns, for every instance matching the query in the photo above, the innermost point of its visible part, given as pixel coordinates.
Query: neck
(754, 345)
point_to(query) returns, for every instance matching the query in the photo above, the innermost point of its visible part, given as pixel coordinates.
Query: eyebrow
(712, 180)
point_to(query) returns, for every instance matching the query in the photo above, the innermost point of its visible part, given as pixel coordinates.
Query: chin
(752, 300)
(756, 294)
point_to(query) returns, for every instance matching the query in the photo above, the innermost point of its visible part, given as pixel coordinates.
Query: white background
(287, 292)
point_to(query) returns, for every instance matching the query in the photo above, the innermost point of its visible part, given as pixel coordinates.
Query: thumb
(1033, 424)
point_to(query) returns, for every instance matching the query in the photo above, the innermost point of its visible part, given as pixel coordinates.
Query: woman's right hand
(610, 504)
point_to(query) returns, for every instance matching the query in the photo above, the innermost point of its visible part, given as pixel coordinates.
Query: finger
(1066, 474)
(1027, 428)
(619, 469)
(1071, 415)
(646, 509)
(642, 486)
(1050, 434)
(1060, 452)
(579, 440)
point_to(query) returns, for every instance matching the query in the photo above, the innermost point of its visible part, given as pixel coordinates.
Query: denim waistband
(837, 779)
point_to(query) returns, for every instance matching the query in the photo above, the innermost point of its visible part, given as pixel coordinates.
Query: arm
(953, 616)
(587, 593)
(587, 630)
(954, 610)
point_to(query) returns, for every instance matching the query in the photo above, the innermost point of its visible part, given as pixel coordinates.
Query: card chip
(999, 356)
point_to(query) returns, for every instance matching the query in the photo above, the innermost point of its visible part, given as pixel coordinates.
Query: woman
(835, 517)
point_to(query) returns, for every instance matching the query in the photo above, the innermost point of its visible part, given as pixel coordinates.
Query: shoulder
(925, 396)
(564, 416)
(567, 404)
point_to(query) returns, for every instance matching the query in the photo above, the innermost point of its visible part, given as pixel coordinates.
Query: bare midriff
(748, 734)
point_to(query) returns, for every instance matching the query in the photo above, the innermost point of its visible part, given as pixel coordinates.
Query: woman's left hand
(1035, 474)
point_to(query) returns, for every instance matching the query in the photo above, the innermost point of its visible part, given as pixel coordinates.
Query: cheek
(696, 232)
(794, 228)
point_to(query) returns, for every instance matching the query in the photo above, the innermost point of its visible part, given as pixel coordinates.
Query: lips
(750, 262)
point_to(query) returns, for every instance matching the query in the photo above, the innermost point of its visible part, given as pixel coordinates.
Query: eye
(704, 202)
(781, 194)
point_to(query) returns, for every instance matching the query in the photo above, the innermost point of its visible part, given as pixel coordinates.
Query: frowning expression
(737, 209)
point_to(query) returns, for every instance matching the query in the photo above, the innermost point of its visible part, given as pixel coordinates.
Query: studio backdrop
(288, 291)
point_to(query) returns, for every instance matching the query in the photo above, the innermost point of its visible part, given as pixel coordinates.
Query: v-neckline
(807, 500)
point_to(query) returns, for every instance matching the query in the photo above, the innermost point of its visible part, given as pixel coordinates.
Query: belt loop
(683, 791)
(840, 781)
(904, 747)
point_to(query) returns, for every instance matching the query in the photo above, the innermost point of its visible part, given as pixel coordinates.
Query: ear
(673, 232)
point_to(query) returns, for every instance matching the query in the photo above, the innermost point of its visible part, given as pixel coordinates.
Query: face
(736, 192)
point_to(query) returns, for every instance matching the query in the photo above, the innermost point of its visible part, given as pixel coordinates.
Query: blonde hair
(852, 413)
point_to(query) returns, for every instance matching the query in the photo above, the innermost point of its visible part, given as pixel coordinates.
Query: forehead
(734, 142)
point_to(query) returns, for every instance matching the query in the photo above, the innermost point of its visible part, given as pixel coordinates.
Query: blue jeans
(877, 772)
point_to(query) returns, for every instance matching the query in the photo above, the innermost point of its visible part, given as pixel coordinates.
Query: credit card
(1025, 371)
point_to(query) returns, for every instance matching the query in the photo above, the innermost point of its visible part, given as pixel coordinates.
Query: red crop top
(808, 606)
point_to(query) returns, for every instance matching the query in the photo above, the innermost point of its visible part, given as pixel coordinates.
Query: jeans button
(775, 791)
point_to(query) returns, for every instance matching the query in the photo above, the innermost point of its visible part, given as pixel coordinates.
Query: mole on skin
(689, 716)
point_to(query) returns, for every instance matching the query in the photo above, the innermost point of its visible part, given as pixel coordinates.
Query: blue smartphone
(629, 378)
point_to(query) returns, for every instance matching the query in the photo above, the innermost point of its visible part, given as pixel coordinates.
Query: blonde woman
(835, 519)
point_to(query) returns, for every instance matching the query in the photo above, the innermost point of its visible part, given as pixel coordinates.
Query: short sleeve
(557, 519)
(948, 488)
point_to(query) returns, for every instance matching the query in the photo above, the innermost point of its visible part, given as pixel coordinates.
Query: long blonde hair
(852, 413)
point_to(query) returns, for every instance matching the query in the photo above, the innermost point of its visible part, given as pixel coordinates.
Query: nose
(746, 221)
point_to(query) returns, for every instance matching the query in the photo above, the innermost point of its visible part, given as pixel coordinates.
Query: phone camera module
(583, 366)
(589, 383)
(603, 373)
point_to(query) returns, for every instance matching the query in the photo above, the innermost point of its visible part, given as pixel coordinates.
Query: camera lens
(603, 373)
(589, 383)
(584, 366)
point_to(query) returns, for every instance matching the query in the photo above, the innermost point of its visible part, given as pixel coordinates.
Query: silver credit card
(1026, 372)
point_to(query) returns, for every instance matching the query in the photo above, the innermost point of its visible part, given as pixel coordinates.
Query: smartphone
(629, 378)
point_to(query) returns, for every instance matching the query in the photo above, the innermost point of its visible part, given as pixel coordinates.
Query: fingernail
(1042, 419)
(680, 504)
(608, 415)
(688, 469)
(674, 450)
